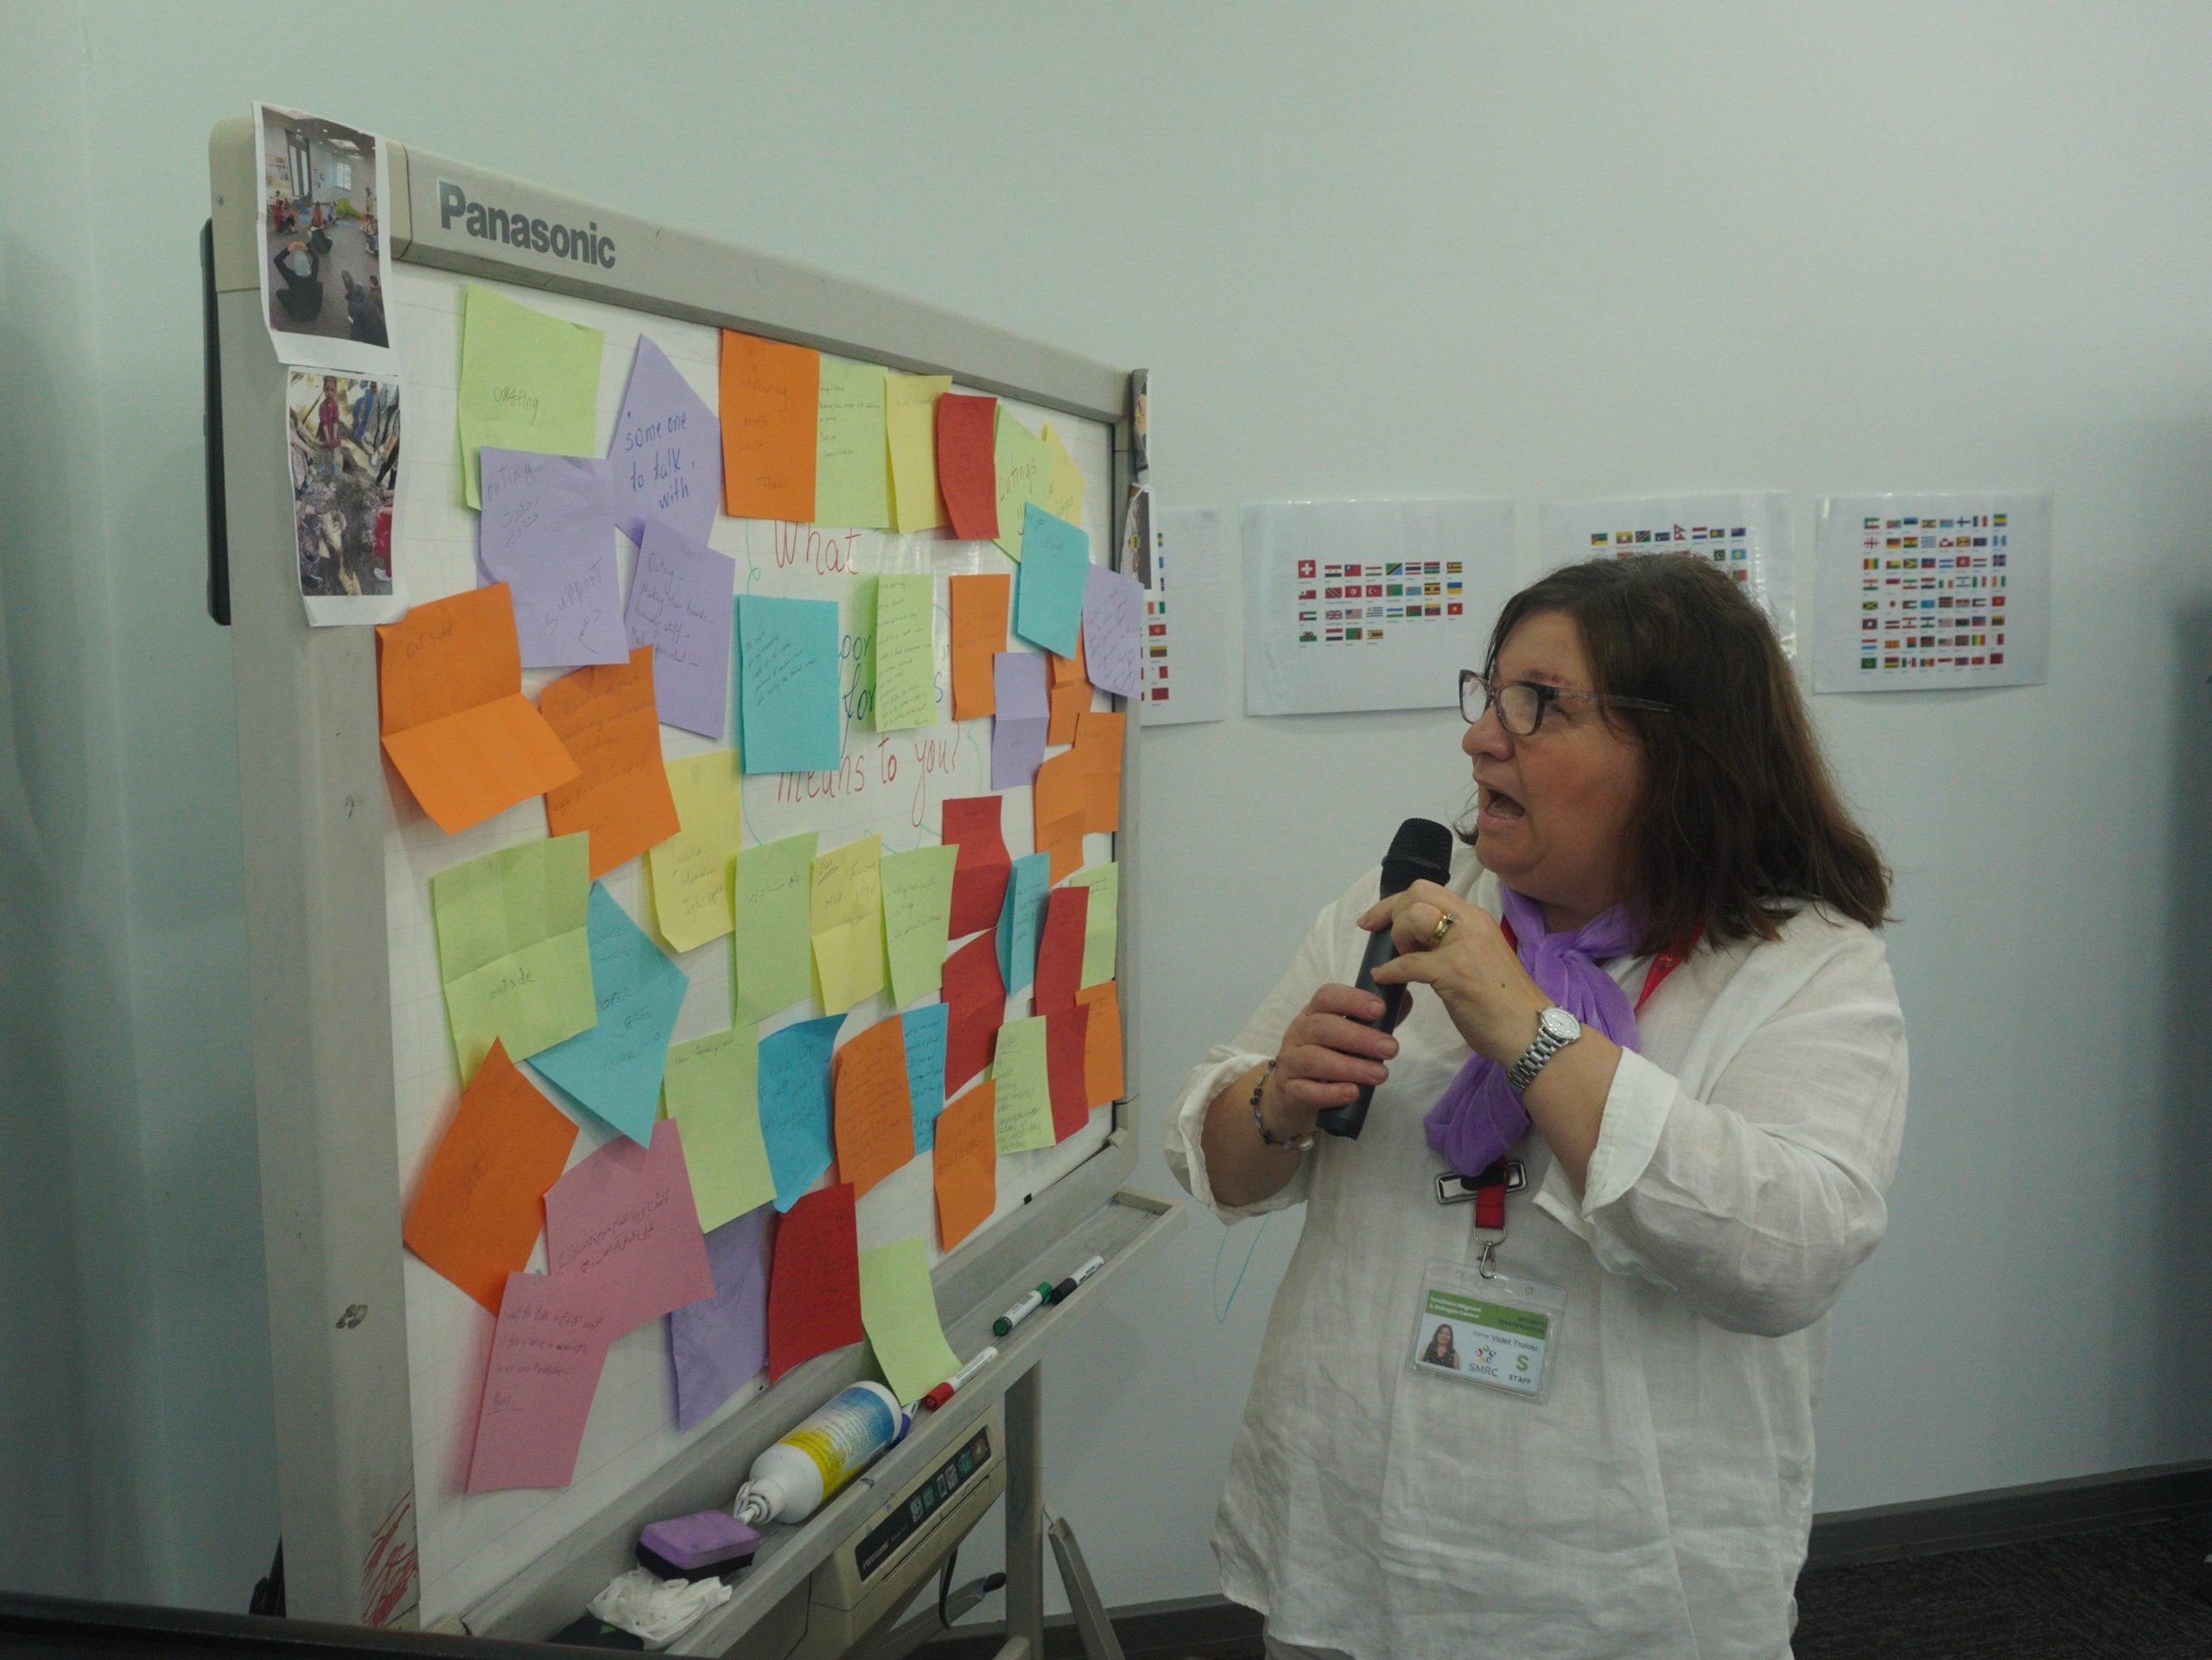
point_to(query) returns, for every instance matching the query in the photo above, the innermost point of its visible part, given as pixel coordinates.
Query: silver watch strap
(1524, 1071)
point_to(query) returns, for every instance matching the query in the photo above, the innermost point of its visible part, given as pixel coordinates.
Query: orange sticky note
(1070, 703)
(875, 1113)
(964, 1166)
(1098, 740)
(452, 712)
(1064, 842)
(605, 718)
(1060, 788)
(1102, 1043)
(481, 1203)
(1068, 671)
(979, 605)
(770, 397)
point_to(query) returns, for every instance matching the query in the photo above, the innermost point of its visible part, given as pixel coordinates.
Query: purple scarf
(1478, 1115)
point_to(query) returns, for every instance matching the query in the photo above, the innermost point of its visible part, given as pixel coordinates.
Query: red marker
(944, 1392)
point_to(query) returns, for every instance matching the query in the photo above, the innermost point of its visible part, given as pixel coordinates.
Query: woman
(1440, 1351)
(1654, 825)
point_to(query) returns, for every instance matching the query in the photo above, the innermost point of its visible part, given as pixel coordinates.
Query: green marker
(1022, 1310)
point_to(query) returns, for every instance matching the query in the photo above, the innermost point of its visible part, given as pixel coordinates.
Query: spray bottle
(792, 1479)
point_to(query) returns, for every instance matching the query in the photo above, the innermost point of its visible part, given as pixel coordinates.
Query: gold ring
(1442, 931)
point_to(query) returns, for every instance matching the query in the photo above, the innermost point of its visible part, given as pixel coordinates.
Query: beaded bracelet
(1261, 1124)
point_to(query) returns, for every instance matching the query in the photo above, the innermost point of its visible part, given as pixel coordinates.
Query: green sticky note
(852, 459)
(1023, 1111)
(1024, 464)
(772, 951)
(712, 1090)
(916, 917)
(528, 381)
(1101, 921)
(905, 653)
(512, 950)
(847, 918)
(898, 1309)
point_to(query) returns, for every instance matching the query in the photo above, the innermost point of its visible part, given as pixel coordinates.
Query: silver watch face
(1558, 1025)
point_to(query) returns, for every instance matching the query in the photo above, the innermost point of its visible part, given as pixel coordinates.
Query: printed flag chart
(1369, 605)
(1745, 533)
(1918, 593)
(1183, 672)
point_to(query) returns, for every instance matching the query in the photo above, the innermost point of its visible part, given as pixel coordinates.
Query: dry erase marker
(1022, 1310)
(1061, 1291)
(944, 1392)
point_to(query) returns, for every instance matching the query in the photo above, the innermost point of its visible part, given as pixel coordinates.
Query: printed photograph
(1439, 1347)
(344, 433)
(325, 272)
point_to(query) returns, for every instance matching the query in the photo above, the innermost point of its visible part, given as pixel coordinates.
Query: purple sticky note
(546, 1356)
(1113, 618)
(681, 594)
(1025, 713)
(667, 452)
(625, 1216)
(544, 533)
(719, 1344)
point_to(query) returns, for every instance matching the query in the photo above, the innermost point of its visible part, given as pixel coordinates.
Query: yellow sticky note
(1024, 1110)
(905, 653)
(712, 1090)
(528, 381)
(691, 869)
(1101, 924)
(1025, 471)
(846, 918)
(898, 1310)
(910, 422)
(1064, 482)
(917, 914)
(852, 471)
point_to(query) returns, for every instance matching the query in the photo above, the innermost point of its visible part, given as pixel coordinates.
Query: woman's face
(1552, 809)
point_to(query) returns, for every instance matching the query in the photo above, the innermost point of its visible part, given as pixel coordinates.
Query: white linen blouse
(1657, 1503)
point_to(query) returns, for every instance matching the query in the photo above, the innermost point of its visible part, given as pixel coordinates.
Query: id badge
(1495, 1329)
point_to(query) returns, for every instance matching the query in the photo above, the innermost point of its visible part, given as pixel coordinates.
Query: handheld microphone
(1420, 851)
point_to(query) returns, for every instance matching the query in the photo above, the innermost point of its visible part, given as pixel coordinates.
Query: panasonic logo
(518, 230)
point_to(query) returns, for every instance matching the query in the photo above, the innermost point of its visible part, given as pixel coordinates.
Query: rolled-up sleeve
(1756, 1203)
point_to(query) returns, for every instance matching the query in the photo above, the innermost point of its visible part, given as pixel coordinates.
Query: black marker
(1066, 1288)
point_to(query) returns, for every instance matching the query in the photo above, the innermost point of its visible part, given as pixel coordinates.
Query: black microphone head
(1420, 852)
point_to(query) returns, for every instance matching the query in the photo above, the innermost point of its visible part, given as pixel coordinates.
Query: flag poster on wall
(1745, 533)
(1918, 593)
(1185, 623)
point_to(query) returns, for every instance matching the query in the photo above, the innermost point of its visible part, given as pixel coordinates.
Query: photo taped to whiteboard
(325, 269)
(342, 438)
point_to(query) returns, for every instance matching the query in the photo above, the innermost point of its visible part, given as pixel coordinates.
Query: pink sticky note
(546, 1357)
(625, 1216)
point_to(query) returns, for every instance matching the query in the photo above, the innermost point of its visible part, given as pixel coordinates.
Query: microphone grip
(1347, 1120)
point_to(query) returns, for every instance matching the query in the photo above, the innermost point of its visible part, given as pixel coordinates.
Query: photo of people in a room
(321, 229)
(344, 432)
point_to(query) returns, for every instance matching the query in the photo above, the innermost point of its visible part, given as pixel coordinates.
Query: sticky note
(1069, 702)
(1059, 950)
(1024, 468)
(604, 717)
(716, 1345)
(1063, 478)
(770, 391)
(712, 1090)
(910, 423)
(979, 876)
(1068, 671)
(1059, 792)
(547, 1352)
(513, 955)
(1048, 594)
(926, 1030)
(1063, 846)
(625, 1216)
(1101, 922)
(1018, 728)
(905, 653)
(1019, 921)
(787, 685)
(975, 993)
(1099, 738)
(852, 475)
(452, 713)
(966, 472)
(898, 1310)
(692, 893)
(666, 453)
(917, 912)
(545, 532)
(1065, 1084)
(794, 1091)
(528, 381)
(1102, 1044)
(771, 942)
(964, 1165)
(814, 1284)
(979, 607)
(613, 1067)
(845, 917)
(680, 593)
(1023, 1113)
(874, 1114)
(478, 1208)
(1113, 628)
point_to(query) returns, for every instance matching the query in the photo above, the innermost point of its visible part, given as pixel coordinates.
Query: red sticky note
(976, 994)
(1102, 1043)
(875, 1113)
(979, 875)
(814, 1280)
(1064, 1068)
(1060, 952)
(546, 1356)
(627, 1215)
(967, 475)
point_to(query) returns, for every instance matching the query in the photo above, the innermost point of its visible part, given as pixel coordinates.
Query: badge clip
(1454, 1189)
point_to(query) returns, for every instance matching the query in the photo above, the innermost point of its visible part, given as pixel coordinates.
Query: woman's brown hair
(1739, 825)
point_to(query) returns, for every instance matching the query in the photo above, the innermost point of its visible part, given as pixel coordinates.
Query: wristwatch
(1556, 1029)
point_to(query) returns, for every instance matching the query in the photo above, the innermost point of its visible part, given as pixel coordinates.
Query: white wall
(1543, 251)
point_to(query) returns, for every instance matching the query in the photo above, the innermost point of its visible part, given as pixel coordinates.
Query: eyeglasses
(1521, 706)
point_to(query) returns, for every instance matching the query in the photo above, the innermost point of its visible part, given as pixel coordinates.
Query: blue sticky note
(1055, 570)
(926, 1030)
(794, 1092)
(787, 685)
(1022, 916)
(614, 1067)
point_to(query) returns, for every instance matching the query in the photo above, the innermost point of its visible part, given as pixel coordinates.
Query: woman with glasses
(1660, 1047)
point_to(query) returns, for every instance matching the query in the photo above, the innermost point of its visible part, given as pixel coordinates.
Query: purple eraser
(696, 1546)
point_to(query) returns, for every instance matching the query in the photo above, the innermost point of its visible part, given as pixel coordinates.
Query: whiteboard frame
(311, 778)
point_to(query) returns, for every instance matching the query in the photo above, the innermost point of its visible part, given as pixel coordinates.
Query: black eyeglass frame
(1546, 696)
